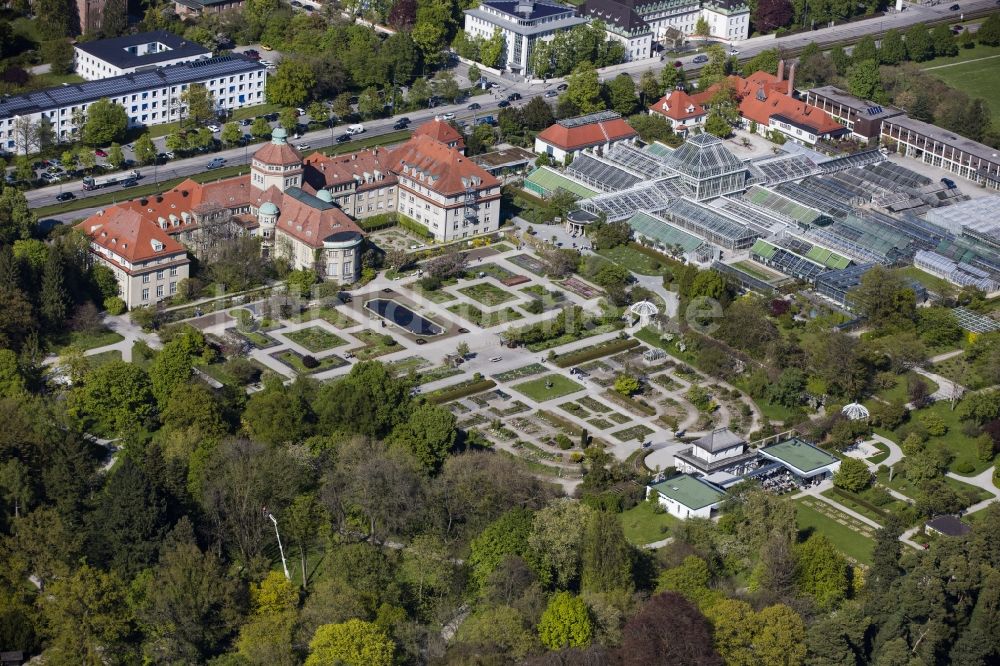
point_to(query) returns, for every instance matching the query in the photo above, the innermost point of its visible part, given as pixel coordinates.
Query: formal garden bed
(575, 409)
(438, 295)
(461, 390)
(316, 339)
(375, 345)
(559, 423)
(595, 352)
(258, 339)
(300, 363)
(236, 372)
(580, 288)
(494, 271)
(593, 405)
(849, 535)
(482, 319)
(549, 298)
(330, 315)
(518, 373)
(638, 432)
(528, 263)
(601, 424)
(487, 294)
(630, 404)
(86, 340)
(548, 387)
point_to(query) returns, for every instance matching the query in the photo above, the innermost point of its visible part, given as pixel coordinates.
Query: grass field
(901, 391)
(642, 525)
(957, 442)
(635, 261)
(973, 71)
(536, 389)
(847, 540)
(84, 341)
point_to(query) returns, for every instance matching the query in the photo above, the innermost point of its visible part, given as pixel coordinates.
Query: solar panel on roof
(874, 110)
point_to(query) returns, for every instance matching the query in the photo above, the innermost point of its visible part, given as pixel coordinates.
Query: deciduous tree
(106, 122)
(565, 622)
(352, 643)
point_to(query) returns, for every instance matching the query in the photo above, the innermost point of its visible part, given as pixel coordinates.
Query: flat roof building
(107, 58)
(802, 459)
(863, 117)
(149, 97)
(948, 526)
(685, 496)
(943, 148)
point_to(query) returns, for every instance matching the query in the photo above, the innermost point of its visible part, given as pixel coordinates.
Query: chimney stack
(781, 70)
(791, 80)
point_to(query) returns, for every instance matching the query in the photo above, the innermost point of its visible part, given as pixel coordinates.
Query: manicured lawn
(846, 539)
(376, 344)
(537, 389)
(900, 484)
(977, 78)
(883, 453)
(293, 360)
(636, 432)
(518, 373)
(85, 341)
(437, 296)
(97, 360)
(642, 525)
(635, 261)
(220, 373)
(487, 294)
(331, 316)
(316, 339)
(485, 319)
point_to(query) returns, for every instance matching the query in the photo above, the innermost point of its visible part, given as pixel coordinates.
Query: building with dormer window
(680, 110)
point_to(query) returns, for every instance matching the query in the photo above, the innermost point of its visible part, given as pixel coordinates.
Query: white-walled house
(685, 496)
(107, 58)
(571, 136)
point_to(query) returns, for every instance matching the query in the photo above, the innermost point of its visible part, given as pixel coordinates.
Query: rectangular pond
(402, 316)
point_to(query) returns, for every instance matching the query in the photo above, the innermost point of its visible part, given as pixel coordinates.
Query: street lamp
(284, 565)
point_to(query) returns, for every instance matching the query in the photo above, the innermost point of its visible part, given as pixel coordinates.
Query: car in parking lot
(343, 138)
(246, 122)
(253, 54)
(475, 106)
(100, 153)
(213, 128)
(266, 47)
(216, 162)
(300, 111)
(271, 117)
(65, 196)
(700, 59)
(445, 116)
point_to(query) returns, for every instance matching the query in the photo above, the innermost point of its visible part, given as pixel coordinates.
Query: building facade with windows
(595, 131)
(145, 260)
(944, 149)
(637, 23)
(107, 58)
(149, 97)
(522, 23)
(862, 117)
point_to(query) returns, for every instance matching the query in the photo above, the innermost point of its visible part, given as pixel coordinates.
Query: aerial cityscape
(543, 332)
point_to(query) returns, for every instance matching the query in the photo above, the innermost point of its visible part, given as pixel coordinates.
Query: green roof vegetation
(689, 491)
(546, 180)
(800, 455)
(663, 232)
(763, 249)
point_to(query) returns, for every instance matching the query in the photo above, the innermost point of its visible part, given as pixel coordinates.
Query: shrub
(243, 371)
(965, 467)
(564, 442)
(114, 305)
(430, 283)
(310, 362)
(533, 306)
(935, 424)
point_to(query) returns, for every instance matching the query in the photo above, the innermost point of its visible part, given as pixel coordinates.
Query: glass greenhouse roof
(663, 232)
(704, 156)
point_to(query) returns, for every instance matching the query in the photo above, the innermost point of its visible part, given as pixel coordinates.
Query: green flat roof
(660, 230)
(800, 455)
(550, 180)
(763, 249)
(689, 491)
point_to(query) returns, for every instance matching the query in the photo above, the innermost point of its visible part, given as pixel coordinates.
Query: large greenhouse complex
(798, 215)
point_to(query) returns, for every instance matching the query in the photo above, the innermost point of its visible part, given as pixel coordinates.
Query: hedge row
(462, 390)
(878, 511)
(591, 353)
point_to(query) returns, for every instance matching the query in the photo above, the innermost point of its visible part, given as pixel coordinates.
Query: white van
(355, 129)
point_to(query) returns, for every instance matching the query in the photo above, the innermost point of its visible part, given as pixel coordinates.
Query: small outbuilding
(685, 496)
(949, 526)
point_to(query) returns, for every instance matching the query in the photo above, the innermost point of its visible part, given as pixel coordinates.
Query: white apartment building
(522, 23)
(150, 97)
(637, 23)
(107, 58)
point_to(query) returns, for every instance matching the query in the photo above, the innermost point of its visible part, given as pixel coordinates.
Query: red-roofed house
(766, 100)
(442, 132)
(444, 190)
(146, 261)
(361, 183)
(572, 136)
(680, 110)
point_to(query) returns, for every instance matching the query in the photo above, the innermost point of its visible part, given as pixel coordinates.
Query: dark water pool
(402, 316)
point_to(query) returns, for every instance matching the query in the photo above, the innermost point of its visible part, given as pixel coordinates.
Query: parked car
(100, 153)
(300, 111)
(65, 196)
(699, 59)
(246, 122)
(733, 52)
(513, 97)
(954, 8)
(562, 87)
(949, 183)
(266, 47)
(216, 162)
(214, 128)
(552, 93)
(253, 54)
(475, 106)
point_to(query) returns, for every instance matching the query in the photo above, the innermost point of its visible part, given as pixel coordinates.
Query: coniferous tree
(53, 301)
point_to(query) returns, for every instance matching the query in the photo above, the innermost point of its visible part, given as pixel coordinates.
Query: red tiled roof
(438, 167)
(277, 153)
(312, 225)
(129, 235)
(322, 171)
(441, 131)
(585, 136)
(678, 105)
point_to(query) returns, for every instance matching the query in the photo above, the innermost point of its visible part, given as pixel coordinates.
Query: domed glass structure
(268, 208)
(855, 411)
